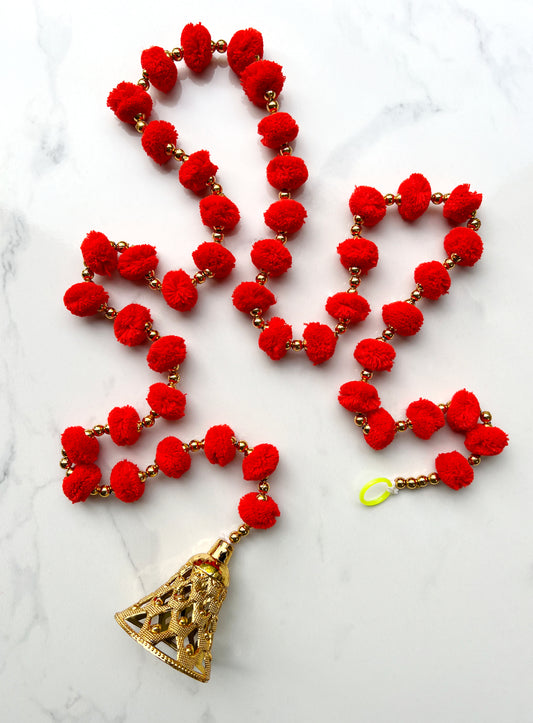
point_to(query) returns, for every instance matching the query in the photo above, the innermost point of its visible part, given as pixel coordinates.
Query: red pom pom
(169, 403)
(274, 338)
(130, 324)
(368, 203)
(216, 258)
(196, 171)
(257, 512)
(196, 44)
(287, 173)
(461, 204)
(244, 48)
(277, 130)
(454, 470)
(79, 448)
(271, 255)
(218, 444)
(463, 411)
(425, 417)
(157, 135)
(260, 463)
(416, 195)
(166, 353)
(85, 298)
(128, 100)
(320, 342)
(179, 291)
(375, 355)
(250, 295)
(404, 317)
(83, 480)
(98, 254)
(171, 458)
(286, 216)
(358, 252)
(161, 69)
(486, 441)
(359, 397)
(348, 307)
(125, 482)
(382, 429)
(219, 212)
(123, 425)
(434, 279)
(260, 76)
(466, 243)
(136, 261)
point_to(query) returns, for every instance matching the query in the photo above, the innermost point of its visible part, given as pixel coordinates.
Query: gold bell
(177, 621)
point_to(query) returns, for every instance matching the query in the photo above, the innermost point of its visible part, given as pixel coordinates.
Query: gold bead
(270, 95)
(153, 335)
(263, 487)
(143, 83)
(104, 491)
(242, 446)
(366, 375)
(422, 480)
(142, 475)
(360, 420)
(259, 322)
(221, 46)
(443, 407)
(217, 236)
(244, 529)
(140, 126)
(285, 150)
(196, 445)
(69, 471)
(95, 492)
(199, 277)
(183, 621)
(340, 328)
(358, 219)
(355, 270)
(110, 313)
(174, 377)
(64, 463)
(366, 429)
(261, 497)
(284, 195)
(387, 333)
(148, 421)
(189, 649)
(448, 263)
(272, 106)
(416, 295)
(281, 237)
(401, 425)
(216, 189)
(486, 417)
(99, 430)
(179, 154)
(208, 273)
(354, 282)
(155, 628)
(474, 223)
(169, 149)
(437, 198)
(433, 478)
(398, 200)
(177, 53)
(474, 460)
(152, 470)
(261, 278)
(155, 284)
(122, 246)
(411, 483)
(400, 483)
(87, 274)
(234, 537)
(389, 199)
(297, 344)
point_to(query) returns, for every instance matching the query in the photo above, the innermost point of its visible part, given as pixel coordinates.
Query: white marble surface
(419, 610)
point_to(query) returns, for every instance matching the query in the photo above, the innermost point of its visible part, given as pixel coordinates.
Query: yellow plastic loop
(382, 497)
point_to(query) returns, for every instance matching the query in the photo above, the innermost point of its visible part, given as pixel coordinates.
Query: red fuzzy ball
(274, 338)
(359, 397)
(375, 355)
(169, 403)
(136, 261)
(454, 470)
(215, 258)
(286, 216)
(486, 441)
(218, 444)
(257, 512)
(98, 254)
(79, 447)
(347, 307)
(166, 353)
(382, 429)
(162, 71)
(128, 100)
(250, 295)
(260, 463)
(219, 212)
(425, 417)
(260, 76)
(123, 425)
(130, 324)
(155, 139)
(287, 173)
(415, 194)
(461, 204)
(244, 48)
(277, 130)
(125, 483)
(179, 291)
(272, 256)
(83, 480)
(320, 342)
(196, 45)
(85, 298)
(463, 411)
(434, 279)
(171, 458)
(358, 252)
(196, 171)
(368, 203)
(466, 243)
(403, 317)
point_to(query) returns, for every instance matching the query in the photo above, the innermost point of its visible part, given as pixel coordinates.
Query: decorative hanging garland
(176, 622)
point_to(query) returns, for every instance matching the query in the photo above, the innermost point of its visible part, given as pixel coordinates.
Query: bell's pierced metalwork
(177, 622)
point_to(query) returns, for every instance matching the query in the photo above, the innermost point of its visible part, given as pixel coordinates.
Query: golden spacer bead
(285, 150)
(110, 313)
(244, 529)
(69, 471)
(359, 420)
(416, 295)
(270, 95)
(400, 483)
(281, 237)
(259, 322)
(195, 445)
(148, 421)
(354, 282)
(411, 483)
(389, 199)
(99, 430)
(217, 236)
(177, 53)
(142, 475)
(200, 277)
(402, 425)
(398, 200)
(486, 417)
(221, 46)
(261, 278)
(422, 480)
(474, 460)
(264, 487)
(366, 429)
(104, 491)
(366, 375)
(64, 463)
(433, 478)
(448, 263)
(87, 274)
(140, 126)
(216, 189)
(234, 537)
(179, 154)
(153, 335)
(340, 328)
(284, 195)
(355, 270)
(474, 223)
(143, 83)
(155, 284)
(297, 344)
(122, 246)
(272, 106)
(152, 470)
(437, 198)
(242, 446)
(261, 497)
(387, 333)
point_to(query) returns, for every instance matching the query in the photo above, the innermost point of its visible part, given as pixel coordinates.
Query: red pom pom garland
(159, 69)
